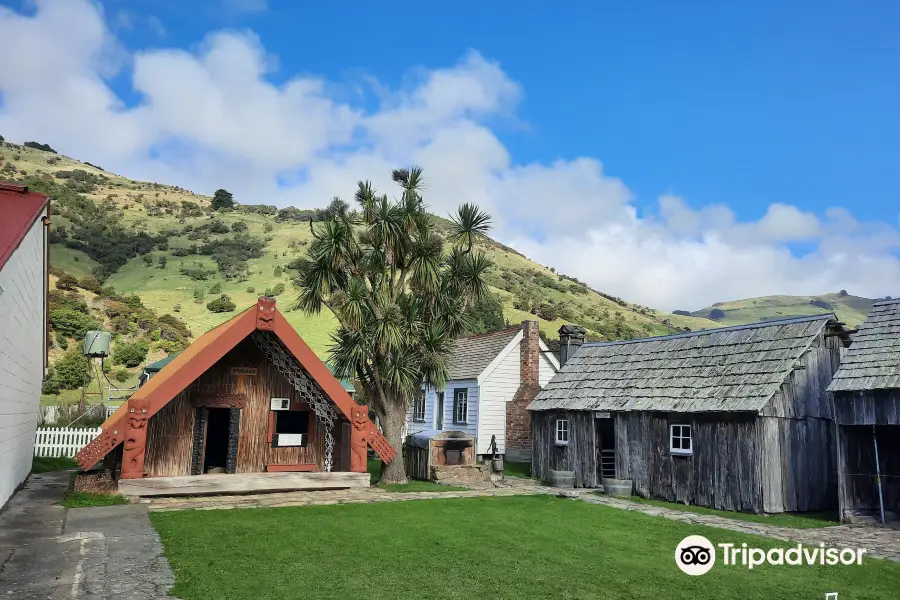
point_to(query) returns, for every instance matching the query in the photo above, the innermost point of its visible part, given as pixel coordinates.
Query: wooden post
(878, 475)
(135, 445)
(359, 432)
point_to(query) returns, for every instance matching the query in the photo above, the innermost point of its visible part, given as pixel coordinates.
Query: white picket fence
(63, 441)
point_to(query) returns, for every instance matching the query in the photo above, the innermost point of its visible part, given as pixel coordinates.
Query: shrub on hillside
(274, 291)
(66, 282)
(717, 314)
(486, 315)
(197, 273)
(90, 283)
(217, 226)
(221, 304)
(67, 300)
(821, 304)
(198, 296)
(251, 290)
(130, 355)
(72, 371)
(72, 324)
(122, 375)
(180, 252)
(683, 313)
(238, 226)
(61, 341)
(38, 146)
(216, 289)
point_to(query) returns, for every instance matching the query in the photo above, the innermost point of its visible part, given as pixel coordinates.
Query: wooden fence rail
(63, 441)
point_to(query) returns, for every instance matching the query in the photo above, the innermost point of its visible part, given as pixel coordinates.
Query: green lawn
(797, 520)
(520, 548)
(46, 464)
(414, 485)
(517, 469)
(83, 499)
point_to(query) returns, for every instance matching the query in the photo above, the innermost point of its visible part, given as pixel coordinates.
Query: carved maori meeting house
(247, 407)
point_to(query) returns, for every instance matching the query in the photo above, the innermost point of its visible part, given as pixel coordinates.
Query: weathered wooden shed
(246, 407)
(866, 396)
(733, 418)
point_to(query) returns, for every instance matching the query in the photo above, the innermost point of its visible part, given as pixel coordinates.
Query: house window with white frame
(419, 407)
(680, 439)
(461, 406)
(562, 432)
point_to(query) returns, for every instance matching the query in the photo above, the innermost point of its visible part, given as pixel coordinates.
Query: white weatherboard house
(23, 328)
(493, 377)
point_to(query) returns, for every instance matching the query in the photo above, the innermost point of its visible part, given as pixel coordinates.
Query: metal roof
(873, 360)
(726, 369)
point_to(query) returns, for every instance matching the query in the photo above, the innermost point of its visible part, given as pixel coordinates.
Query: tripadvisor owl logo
(695, 555)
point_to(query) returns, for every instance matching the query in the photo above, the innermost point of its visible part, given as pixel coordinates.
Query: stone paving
(47, 551)
(348, 496)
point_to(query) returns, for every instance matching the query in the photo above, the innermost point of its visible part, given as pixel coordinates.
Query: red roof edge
(20, 209)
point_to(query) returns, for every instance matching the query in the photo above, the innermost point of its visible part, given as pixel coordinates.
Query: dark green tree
(222, 200)
(486, 315)
(66, 282)
(399, 297)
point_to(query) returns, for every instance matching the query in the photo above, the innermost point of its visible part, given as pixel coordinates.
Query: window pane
(291, 421)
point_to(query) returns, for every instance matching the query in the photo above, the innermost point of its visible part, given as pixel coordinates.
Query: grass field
(519, 548)
(795, 520)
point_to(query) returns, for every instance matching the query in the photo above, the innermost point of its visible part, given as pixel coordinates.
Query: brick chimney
(571, 337)
(518, 421)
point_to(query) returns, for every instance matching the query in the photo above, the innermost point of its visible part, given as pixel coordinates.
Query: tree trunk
(392, 419)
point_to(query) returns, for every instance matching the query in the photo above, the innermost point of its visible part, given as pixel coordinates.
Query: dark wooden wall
(579, 455)
(797, 464)
(170, 433)
(721, 473)
(875, 407)
(858, 491)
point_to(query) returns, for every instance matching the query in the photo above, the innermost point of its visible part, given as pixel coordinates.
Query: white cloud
(210, 117)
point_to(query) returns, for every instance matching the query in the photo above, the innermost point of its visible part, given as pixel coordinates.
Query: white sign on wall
(291, 439)
(280, 404)
(601, 415)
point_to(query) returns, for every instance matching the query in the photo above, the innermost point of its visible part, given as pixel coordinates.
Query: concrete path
(48, 552)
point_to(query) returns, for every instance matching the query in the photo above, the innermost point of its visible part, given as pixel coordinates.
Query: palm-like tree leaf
(469, 224)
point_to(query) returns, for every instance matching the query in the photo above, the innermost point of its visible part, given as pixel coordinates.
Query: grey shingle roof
(471, 355)
(873, 360)
(727, 369)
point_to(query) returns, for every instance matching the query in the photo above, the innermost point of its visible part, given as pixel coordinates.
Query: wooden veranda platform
(241, 483)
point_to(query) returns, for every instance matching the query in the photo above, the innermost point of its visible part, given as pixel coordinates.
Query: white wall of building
(22, 347)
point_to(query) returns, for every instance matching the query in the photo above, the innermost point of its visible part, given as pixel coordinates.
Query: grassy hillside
(850, 309)
(171, 276)
(167, 246)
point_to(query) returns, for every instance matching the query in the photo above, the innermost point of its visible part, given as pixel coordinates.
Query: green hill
(850, 309)
(167, 246)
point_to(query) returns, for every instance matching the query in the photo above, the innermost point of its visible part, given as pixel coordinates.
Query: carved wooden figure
(135, 445)
(265, 314)
(359, 439)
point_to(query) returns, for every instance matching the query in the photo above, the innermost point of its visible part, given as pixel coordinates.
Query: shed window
(460, 406)
(419, 407)
(562, 432)
(680, 439)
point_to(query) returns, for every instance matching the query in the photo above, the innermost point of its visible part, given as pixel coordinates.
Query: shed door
(605, 432)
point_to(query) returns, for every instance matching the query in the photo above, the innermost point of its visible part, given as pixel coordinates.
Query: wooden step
(240, 483)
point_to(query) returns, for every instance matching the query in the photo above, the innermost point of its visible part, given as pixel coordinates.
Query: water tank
(96, 344)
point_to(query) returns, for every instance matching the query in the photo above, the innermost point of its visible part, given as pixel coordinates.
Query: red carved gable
(265, 314)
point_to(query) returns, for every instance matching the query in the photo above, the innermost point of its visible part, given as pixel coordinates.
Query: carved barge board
(195, 485)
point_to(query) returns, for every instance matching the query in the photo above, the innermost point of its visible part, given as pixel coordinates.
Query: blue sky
(653, 149)
(708, 100)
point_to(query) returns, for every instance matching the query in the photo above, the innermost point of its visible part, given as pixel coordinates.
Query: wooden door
(605, 439)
